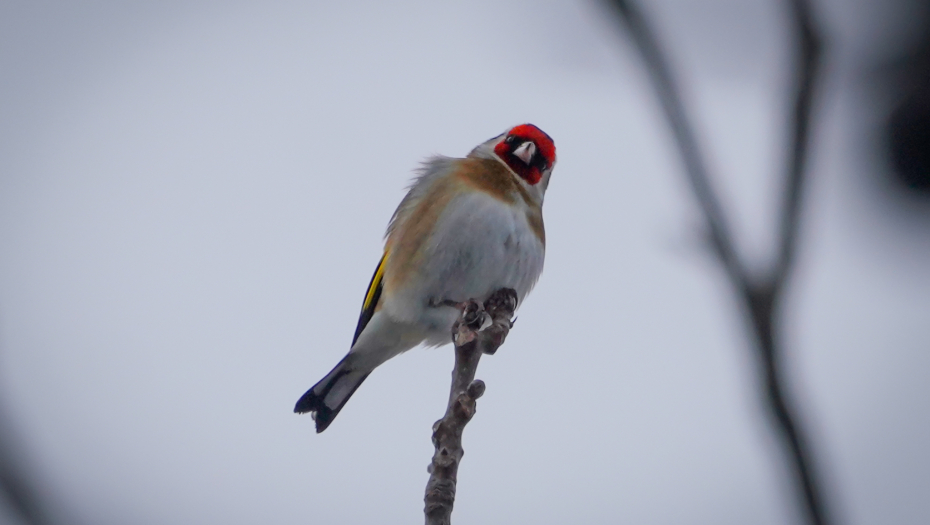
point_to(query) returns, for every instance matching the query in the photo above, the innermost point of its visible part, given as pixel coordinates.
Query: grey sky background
(192, 201)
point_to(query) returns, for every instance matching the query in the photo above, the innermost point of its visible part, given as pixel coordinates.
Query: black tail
(327, 397)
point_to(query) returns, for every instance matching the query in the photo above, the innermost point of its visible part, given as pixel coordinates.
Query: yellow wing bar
(375, 286)
(371, 298)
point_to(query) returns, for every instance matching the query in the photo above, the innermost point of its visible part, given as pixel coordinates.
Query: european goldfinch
(466, 228)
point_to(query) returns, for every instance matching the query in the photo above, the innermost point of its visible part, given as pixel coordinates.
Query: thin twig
(760, 294)
(481, 329)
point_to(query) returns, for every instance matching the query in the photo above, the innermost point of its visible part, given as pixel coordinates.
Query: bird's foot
(475, 316)
(502, 303)
(491, 321)
(500, 307)
(472, 321)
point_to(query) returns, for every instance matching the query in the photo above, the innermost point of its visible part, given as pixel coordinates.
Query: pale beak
(525, 152)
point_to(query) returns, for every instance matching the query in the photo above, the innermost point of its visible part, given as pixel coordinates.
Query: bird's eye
(510, 139)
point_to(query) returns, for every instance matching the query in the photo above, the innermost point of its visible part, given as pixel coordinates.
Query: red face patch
(542, 159)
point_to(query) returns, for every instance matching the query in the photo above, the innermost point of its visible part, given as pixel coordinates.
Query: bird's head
(527, 150)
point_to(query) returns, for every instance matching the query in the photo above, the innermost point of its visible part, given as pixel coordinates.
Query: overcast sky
(192, 201)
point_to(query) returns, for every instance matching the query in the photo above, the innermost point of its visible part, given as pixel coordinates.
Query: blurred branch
(809, 53)
(15, 486)
(761, 294)
(695, 169)
(481, 329)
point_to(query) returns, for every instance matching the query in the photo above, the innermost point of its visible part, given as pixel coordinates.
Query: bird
(466, 228)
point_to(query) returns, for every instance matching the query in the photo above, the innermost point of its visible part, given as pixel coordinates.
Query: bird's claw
(475, 317)
(495, 313)
(503, 301)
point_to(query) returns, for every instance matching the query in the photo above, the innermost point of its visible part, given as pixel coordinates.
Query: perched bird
(466, 228)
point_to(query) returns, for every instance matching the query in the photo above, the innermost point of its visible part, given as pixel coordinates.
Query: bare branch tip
(480, 329)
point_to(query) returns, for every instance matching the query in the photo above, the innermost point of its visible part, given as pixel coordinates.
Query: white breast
(479, 245)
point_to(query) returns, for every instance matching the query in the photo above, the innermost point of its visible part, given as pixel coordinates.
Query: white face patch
(525, 152)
